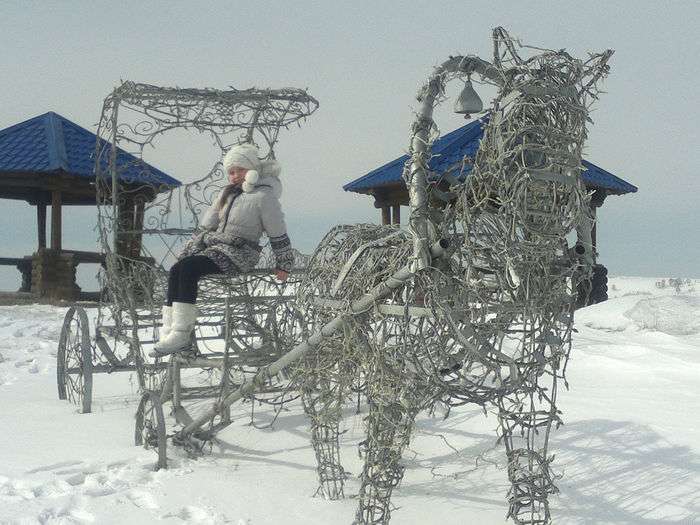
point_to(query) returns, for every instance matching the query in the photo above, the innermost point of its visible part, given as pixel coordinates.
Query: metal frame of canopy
(141, 235)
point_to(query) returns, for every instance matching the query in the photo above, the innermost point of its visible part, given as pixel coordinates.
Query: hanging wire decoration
(489, 320)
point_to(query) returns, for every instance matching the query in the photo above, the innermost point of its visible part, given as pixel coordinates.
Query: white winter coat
(233, 227)
(250, 214)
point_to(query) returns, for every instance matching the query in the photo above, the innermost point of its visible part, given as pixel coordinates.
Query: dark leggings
(184, 278)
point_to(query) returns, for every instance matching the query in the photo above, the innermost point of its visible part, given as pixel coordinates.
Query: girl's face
(236, 175)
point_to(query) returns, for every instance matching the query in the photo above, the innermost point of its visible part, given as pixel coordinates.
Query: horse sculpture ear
(503, 48)
(595, 68)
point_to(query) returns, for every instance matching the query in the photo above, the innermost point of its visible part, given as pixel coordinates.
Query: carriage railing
(247, 295)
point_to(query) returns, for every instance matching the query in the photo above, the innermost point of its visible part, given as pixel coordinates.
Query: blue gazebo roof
(453, 146)
(52, 144)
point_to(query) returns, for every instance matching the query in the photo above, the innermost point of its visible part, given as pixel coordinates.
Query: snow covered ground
(629, 452)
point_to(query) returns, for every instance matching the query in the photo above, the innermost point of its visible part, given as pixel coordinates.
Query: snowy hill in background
(629, 452)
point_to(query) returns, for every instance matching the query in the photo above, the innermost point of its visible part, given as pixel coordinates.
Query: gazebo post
(597, 200)
(56, 220)
(138, 225)
(381, 202)
(396, 214)
(594, 242)
(41, 223)
(386, 215)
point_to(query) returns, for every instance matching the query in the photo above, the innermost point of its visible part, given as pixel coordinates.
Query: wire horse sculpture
(472, 303)
(144, 217)
(489, 321)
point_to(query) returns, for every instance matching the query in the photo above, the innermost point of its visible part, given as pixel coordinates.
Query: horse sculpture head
(529, 161)
(507, 212)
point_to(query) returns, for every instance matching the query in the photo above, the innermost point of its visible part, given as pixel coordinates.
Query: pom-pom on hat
(251, 179)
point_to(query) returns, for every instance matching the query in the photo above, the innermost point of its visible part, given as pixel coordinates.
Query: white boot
(166, 322)
(184, 317)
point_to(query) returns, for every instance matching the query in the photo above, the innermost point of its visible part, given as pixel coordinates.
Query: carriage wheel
(74, 360)
(150, 426)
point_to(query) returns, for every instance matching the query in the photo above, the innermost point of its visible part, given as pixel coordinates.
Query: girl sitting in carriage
(229, 241)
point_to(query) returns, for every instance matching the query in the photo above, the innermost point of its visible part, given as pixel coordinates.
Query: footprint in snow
(98, 492)
(82, 476)
(69, 513)
(142, 499)
(92, 484)
(192, 514)
(51, 489)
(14, 490)
(31, 364)
(54, 466)
(76, 479)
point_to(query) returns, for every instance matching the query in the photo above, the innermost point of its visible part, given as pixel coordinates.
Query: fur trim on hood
(269, 173)
(275, 186)
(264, 184)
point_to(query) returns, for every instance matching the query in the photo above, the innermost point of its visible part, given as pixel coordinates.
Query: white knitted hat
(244, 156)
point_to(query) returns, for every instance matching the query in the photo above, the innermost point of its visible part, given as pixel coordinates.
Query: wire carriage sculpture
(472, 303)
(145, 216)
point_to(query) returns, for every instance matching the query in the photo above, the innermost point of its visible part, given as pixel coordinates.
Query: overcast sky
(364, 62)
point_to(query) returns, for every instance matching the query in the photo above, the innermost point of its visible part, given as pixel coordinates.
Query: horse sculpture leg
(389, 425)
(388, 433)
(323, 403)
(324, 389)
(525, 420)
